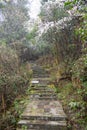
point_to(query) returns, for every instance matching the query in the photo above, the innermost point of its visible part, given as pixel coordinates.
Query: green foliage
(14, 79)
(14, 16)
(52, 12)
(33, 33)
(65, 91)
(9, 60)
(82, 31)
(3, 42)
(19, 105)
(60, 35)
(1, 5)
(24, 127)
(70, 3)
(74, 105)
(80, 66)
(82, 8)
(13, 114)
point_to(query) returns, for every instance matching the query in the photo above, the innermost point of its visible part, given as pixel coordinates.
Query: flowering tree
(58, 31)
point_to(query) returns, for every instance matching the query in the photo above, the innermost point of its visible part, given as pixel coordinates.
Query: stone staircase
(44, 111)
(39, 72)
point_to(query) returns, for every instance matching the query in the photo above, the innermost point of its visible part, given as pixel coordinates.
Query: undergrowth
(12, 115)
(14, 81)
(74, 106)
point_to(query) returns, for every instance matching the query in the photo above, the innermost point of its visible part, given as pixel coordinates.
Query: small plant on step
(24, 127)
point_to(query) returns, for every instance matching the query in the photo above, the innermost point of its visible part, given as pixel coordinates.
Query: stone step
(39, 90)
(38, 86)
(39, 73)
(46, 109)
(44, 98)
(42, 95)
(43, 75)
(41, 87)
(41, 83)
(36, 69)
(39, 76)
(25, 129)
(44, 118)
(52, 125)
(42, 79)
(39, 70)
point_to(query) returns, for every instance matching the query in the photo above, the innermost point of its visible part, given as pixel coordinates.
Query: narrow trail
(44, 111)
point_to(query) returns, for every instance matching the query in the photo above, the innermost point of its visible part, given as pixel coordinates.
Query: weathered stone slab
(44, 98)
(44, 109)
(34, 81)
(42, 94)
(43, 124)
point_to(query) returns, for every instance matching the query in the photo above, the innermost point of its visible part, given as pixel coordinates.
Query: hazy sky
(35, 8)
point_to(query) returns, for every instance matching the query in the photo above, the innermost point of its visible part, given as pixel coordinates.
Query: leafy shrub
(75, 104)
(9, 61)
(79, 71)
(14, 78)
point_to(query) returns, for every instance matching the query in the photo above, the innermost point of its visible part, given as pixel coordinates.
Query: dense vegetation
(67, 34)
(58, 42)
(15, 73)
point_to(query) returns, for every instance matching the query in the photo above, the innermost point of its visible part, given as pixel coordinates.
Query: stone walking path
(44, 111)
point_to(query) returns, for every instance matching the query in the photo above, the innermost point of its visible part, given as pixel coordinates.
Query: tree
(81, 31)
(52, 12)
(15, 18)
(59, 33)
